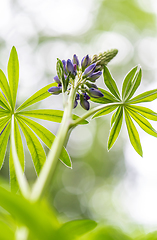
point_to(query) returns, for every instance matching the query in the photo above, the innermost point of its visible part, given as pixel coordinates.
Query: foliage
(76, 83)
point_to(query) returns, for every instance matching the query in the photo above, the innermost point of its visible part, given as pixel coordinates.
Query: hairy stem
(49, 167)
(22, 181)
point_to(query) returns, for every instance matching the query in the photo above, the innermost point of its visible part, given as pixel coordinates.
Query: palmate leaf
(107, 98)
(145, 112)
(144, 97)
(21, 157)
(131, 83)
(115, 130)
(133, 133)
(110, 83)
(47, 137)
(106, 110)
(13, 74)
(142, 122)
(35, 148)
(3, 142)
(48, 114)
(38, 96)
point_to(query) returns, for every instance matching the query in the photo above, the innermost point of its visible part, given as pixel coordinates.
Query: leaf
(34, 216)
(3, 143)
(128, 82)
(3, 102)
(143, 123)
(106, 110)
(110, 83)
(38, 96)
(145, 112)
(4, 113)
(5, 87)
(6, 231)
(115, 130)
(107, 98)
(114, 116)
(35, 148)
(3, 123)
(133, 134)
(48, 114)
(76, 228)
(47, 137)
(134, 84)
(21, 157)
(13, 74)
(144, 97)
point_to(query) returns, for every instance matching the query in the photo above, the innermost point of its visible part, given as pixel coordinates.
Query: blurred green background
(115, 187)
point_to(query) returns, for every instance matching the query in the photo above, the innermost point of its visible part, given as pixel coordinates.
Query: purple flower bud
(84, 103)
(86, 97)
(95, 76)
(75, 67)
(75, 60)
(77, 96)
(95, 93)
(89, 70)
(64, 66)
(91, 85)
(56, 78)
(55, 90)
(75, 104)
(85, 62)
(69, 66)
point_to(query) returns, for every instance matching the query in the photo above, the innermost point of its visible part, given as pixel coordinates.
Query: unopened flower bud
(84, 103)
(91, 85)
(77, 96)
(56, 78)
(95, 93)
(85, 62)
(69, 66)
(94, 76)
(75, 60)
(55, 90)
(89, 70)
(86, 97)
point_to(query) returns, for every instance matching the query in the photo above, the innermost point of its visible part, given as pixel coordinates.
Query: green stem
(49, 167)
(91, 112)
(22, 181)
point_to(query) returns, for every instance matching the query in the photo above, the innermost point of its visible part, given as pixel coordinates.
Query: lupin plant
(77, 82)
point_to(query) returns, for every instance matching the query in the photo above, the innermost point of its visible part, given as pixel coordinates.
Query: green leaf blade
(147, 96)
(13, 74)
(133, 134)
(48, 114)
(35, 148)
(143, 123)
(47, 137)
(4, 86)
(110, 83)
(38, 96)
(145, 112)
(4, 136)
(114, 116)
(115, 130)
(127, 82)
(106, 110)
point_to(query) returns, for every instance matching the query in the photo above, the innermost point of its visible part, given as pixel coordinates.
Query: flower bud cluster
(84, 75)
